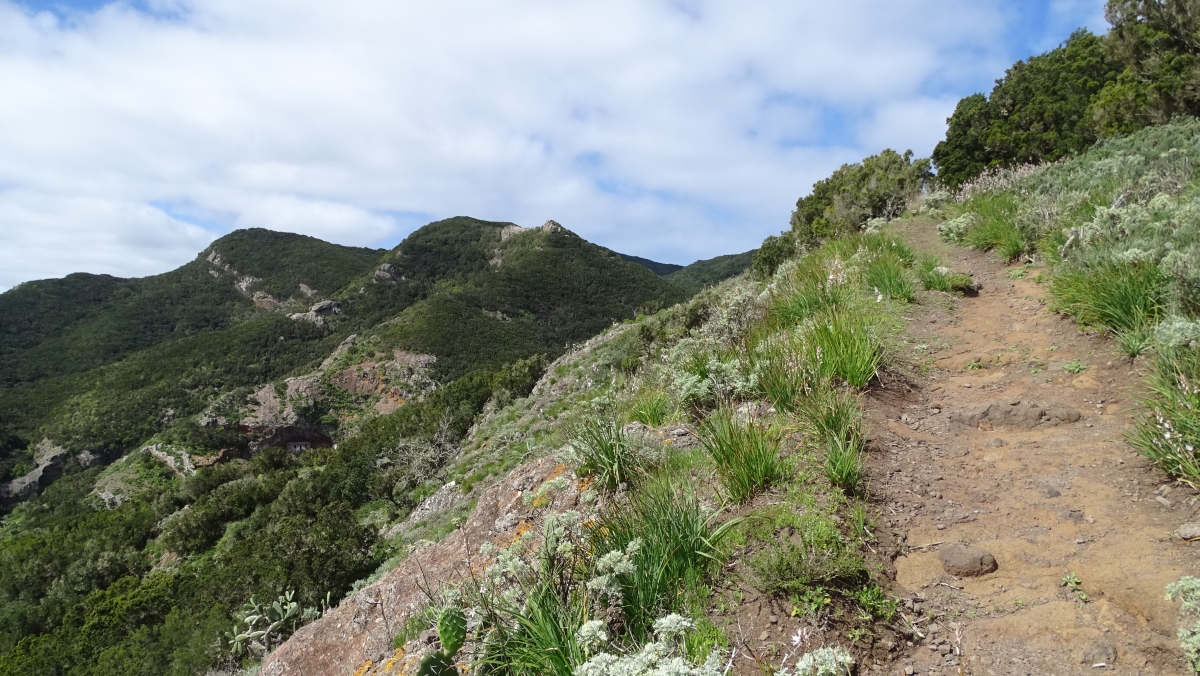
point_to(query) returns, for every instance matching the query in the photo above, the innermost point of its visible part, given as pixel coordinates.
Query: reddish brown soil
(1045, 501)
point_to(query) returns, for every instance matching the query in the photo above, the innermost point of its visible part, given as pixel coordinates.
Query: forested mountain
(211, 370)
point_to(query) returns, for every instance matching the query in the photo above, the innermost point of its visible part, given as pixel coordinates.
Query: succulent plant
(452, 632)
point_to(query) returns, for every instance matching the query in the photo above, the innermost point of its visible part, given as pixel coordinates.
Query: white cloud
(673, 130)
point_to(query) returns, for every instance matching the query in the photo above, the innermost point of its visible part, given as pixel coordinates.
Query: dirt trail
(1044, 495)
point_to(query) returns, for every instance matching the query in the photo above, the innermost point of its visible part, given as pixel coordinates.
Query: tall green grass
(839, 346)
(1169, 434)
(995, 227)
(538, 638)
(886, 275)
(1123, 298)
(844, 463)
(746, 454)
(680, 546)
(652, 407)
(782, 374)
(804, 291)
(842, 344)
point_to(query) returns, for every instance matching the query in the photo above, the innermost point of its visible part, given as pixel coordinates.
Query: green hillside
(660, 269)
(101, 364)
(692, 278)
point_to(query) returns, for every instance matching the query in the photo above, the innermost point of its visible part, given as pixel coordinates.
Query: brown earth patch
(1046, 485)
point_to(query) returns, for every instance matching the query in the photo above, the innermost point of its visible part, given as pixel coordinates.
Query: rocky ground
(998, 447)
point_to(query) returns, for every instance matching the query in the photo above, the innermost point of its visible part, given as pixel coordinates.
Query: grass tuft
(1113, 296)
(886, 275)
(605, 452)
(746, 454)
(651, 408)
(842, 344)
(680, 543)
(1169, 434)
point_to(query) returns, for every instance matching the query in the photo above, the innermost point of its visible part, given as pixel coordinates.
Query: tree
(1037, 112)
(878, 187)
(1158, 44)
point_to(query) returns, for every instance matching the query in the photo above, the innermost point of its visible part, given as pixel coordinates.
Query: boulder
(965, 561)
(1189, 531)
(326, 307)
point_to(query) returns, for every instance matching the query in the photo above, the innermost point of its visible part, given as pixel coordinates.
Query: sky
(134, 133)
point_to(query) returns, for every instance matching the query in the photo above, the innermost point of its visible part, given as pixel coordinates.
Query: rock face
(358, 633)
(48, 460)
(553, 226)
(964, 561)
(511, 230)
(1014, 414)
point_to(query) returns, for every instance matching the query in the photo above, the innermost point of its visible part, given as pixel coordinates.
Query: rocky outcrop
(317, 313)
(550, 227)
(241, 282)
(265, 301)
(48, 466)
(269, 409)
(404, 378)
(388, 273)
(357, 635)
(511, 231)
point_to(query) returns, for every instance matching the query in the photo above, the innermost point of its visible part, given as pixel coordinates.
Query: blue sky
(134, 133)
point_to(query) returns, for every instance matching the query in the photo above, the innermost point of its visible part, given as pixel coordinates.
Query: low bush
(816, 555)
(746, 454)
